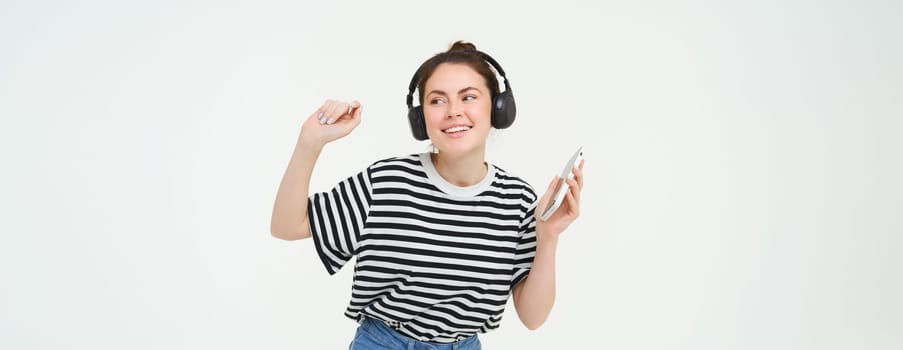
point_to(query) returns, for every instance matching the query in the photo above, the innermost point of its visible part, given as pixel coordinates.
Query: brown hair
(461, 52)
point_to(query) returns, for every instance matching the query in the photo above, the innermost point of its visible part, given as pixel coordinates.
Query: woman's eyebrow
(440, 92)
(468, 89)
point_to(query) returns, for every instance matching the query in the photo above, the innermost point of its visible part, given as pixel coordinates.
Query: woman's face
(457, 108)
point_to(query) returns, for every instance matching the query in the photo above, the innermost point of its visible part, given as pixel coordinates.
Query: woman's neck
(462, 170)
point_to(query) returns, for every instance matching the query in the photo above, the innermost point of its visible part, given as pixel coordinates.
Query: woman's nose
(453, 110)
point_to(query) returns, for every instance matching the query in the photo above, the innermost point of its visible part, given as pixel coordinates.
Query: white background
(742, 179)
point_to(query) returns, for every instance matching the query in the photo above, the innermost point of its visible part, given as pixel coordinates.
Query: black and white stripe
(435, 261)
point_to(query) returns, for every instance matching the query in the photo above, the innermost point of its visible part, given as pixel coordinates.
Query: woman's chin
(458, 148)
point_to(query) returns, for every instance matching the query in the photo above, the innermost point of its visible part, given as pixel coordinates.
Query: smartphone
(563, 185)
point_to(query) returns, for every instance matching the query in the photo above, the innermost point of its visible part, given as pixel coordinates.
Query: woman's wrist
(306, 143)
(546, 239)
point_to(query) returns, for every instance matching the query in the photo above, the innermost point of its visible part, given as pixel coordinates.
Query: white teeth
(457, 128)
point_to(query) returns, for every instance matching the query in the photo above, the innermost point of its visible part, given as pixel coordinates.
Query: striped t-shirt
(435, 261)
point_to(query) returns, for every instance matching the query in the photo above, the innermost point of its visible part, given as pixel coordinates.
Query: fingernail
(330, 121)
(322, 120)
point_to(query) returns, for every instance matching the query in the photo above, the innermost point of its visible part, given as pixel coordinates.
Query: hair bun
(461, 45)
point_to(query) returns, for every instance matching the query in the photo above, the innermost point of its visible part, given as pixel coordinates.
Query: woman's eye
(436, 101)
(469, 97)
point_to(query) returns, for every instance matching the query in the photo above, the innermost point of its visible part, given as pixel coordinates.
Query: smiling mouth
(456, 129)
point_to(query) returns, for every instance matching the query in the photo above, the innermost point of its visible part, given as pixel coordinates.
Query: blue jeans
(374, 334)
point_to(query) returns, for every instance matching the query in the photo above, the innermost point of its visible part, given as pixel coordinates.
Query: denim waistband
(380, 329)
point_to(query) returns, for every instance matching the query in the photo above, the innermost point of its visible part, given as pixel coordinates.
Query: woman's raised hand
(569, 209)
(332, 121)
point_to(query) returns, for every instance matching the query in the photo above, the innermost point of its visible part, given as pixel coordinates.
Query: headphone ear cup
(418, 127)
(503, 110)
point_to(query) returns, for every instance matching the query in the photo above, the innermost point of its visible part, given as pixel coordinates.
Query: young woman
(441, 238)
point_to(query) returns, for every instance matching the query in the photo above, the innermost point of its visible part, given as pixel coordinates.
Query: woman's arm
(332, 121)
(289, 221)
(534, 296)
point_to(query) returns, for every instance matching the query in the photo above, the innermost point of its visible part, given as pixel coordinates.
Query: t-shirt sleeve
(526, 245)
(336, 219)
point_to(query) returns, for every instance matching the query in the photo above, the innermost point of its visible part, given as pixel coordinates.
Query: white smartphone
(563, 185)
